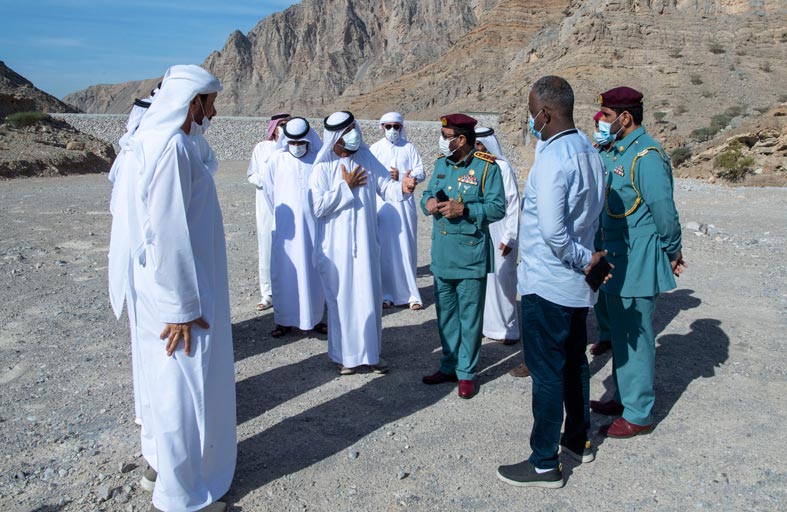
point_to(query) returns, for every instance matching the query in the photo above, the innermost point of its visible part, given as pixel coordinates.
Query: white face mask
(352, 140)
(200, 129)
(298, 151)
(392, 135)
(445, 146)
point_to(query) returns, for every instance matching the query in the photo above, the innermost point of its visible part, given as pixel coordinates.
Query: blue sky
(63, 46)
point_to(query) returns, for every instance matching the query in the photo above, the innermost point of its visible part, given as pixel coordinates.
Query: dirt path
(310, 440)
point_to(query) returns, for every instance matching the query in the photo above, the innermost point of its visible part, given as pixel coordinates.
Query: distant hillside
(694, 61)
(18, 94)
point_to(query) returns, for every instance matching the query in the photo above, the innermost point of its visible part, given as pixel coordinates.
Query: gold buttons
(450, 187)
(621, 149)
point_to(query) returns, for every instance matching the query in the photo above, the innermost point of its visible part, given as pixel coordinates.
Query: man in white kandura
(167, 261)
(256, 176)
(397, 220)
(300, 302)
(500, 316)
(345, 182)
(138, 110)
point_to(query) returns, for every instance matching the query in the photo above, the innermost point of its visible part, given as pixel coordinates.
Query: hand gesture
(431, 205)
(594, 259)
(451, 209)
(504, 249)
(677, 264)
(394, 173)
(408, 183)
(173, 333)
(357, 178)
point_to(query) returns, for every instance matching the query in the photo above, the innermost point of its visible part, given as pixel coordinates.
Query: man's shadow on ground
(680, 358)
(330, 427)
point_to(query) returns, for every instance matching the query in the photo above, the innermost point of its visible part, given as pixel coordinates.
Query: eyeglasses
(394, 126)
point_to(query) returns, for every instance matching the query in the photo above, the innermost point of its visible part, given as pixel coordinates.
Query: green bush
(20, 119)
(702, 134)
(680, 155)
(731, 164)
(696, 80)
(719, 122)
(659, 116)
(734, 111)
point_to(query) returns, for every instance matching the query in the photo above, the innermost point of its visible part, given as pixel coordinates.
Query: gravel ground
(311, 440)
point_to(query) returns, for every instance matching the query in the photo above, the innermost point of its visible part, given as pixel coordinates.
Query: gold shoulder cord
(638, 200)
(483, 178)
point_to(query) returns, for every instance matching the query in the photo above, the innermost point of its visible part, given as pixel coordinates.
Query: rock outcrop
(36, 144)
(18, 94)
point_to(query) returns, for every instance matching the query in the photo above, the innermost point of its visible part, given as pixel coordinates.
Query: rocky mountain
(34, 144)
(18, 94)
(694, 60)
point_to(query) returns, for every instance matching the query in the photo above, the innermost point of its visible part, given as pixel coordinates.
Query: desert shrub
(716, 48)
(731, 164)
(720, 121)
(766, 66)
(761, 109)
(680, 155)
(659, 116)
(20, 119)
(782, 98)
(696, 80)
(681, 109)
(702, 134)
(676, 53)
(734, 111)
(707, 94)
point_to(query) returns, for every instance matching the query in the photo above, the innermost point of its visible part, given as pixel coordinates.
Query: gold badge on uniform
(471, 172)
(619, 171)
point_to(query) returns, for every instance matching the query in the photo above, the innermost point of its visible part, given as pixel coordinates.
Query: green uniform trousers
(633, 355)
(602, 318)
(460, 320)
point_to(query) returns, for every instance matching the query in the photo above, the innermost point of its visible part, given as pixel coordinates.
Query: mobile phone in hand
(441, 196)
(595, 277)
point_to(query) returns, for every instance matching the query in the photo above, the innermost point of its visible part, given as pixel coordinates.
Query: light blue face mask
(532, 125)
(603, 136)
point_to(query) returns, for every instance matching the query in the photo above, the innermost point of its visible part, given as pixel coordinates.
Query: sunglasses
(394, 126)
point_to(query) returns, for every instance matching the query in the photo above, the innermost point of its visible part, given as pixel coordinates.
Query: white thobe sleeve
(327, 197)
(511, 220)
(387, 188)
(206, 154)
(255, 170)
(169, 196)
(267, 181)
(417, 165)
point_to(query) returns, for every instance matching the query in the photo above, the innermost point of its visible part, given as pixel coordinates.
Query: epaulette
(441, 156)
(486, 157)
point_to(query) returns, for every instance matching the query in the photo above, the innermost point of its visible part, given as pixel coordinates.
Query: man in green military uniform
(640, 231)
(464, 196)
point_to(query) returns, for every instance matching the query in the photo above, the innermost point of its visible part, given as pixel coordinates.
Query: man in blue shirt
(562, 201)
